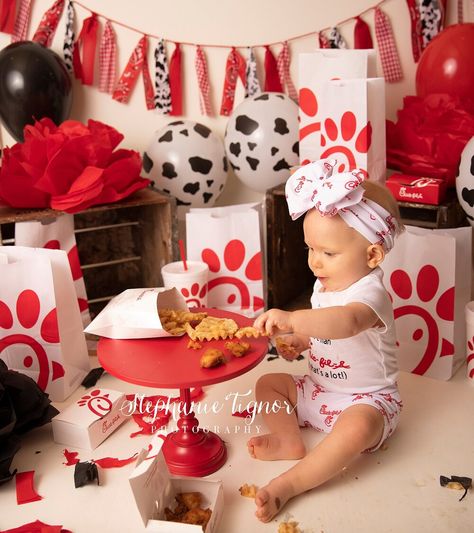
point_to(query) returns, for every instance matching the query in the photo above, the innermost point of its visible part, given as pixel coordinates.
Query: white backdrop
(239, 23)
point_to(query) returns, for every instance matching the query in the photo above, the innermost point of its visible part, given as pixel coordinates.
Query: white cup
(191, 283)
(470, 340)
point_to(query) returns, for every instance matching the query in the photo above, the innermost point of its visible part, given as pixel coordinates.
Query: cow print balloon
(465, 181)
(261, 140)
(187, 160)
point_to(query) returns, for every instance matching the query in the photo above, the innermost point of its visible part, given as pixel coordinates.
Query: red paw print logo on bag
(97, 402)
(25, 336)
(422, 323)
(235, 277)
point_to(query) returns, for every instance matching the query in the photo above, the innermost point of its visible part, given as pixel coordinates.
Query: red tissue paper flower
(68, 167)
(429, 136)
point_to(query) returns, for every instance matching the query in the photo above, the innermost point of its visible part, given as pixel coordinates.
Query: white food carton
(154, 489)
(133, 314)
(90, 420)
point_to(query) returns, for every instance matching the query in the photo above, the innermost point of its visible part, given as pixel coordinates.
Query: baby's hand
(290, 346)
(272, 321)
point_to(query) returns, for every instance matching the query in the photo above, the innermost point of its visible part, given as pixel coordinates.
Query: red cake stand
(166, 362)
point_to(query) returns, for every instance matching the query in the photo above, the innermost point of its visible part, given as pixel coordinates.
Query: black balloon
(34, 83)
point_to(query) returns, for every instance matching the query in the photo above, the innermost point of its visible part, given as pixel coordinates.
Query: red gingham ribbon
(87, 40)
(107, 59)
(22, 20)
(283, 64)
(136, 64)
(392, 69)
(47, 27)
(176, 87)
(416, 37)
(203, 82)
(7, 16)
(362, 37)
(235, 68)
(272, 79)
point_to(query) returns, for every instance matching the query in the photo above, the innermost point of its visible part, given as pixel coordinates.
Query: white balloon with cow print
(261, 140)
(465, 181)
(187, 160)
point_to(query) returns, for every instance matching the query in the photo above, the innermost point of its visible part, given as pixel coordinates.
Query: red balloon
(446, 65)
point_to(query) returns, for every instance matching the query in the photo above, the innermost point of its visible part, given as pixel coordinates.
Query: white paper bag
(314, 69)
(353, 125)
(229, 239)
(428, 275)
(57, 234)
(40, 323)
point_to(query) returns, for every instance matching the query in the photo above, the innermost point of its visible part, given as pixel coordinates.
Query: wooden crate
(288, 274)
(121, 245)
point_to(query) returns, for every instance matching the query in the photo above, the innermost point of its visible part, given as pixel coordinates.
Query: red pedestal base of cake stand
(191, 451)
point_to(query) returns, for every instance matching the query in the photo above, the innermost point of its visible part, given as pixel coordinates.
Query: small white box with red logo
(155, 489)
(90, 419)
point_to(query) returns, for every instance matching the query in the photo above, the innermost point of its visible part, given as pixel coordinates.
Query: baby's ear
(375, 255)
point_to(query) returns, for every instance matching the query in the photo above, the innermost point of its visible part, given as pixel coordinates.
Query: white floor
(394, 490)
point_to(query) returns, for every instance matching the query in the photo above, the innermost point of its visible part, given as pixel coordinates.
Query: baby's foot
(273, 446)
(272, 498)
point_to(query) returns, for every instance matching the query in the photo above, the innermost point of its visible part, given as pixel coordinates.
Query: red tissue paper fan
(429, 136)
(68, 167)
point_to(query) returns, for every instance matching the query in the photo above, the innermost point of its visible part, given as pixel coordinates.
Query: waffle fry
(174, 320)
(247, 331)
(237, 348)
(211, 357)
(212, 328)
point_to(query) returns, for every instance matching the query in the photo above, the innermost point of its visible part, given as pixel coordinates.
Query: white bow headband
(317, 185)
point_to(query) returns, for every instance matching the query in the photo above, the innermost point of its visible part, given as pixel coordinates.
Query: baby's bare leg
(277, 393)
(358, 428)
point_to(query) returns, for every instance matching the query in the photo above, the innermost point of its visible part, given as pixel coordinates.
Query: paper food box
(90, 420)
(417, 190)
(154, 489)
(133, 314)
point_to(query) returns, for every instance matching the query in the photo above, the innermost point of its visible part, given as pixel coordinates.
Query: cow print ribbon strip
(176, 88)
(162, 80)
(252, 85)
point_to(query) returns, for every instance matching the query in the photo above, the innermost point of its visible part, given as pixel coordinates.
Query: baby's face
(337, 254)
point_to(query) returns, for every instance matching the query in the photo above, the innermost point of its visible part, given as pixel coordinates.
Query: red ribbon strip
(47, 27)
(88, 39)
(362, 37)
(416, 37)
(235, 68)
(176, 82)
(272, 79)
(7, 16)
(22, 21)
(136, 64)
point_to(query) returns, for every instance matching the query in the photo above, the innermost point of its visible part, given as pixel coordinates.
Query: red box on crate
(417, 189)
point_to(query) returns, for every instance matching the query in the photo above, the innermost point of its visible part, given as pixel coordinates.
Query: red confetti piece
(25, 490)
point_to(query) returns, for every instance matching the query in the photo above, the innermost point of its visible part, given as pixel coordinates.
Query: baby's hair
(381, 195)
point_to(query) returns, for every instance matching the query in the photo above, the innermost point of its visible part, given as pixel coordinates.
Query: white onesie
(359, 369)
